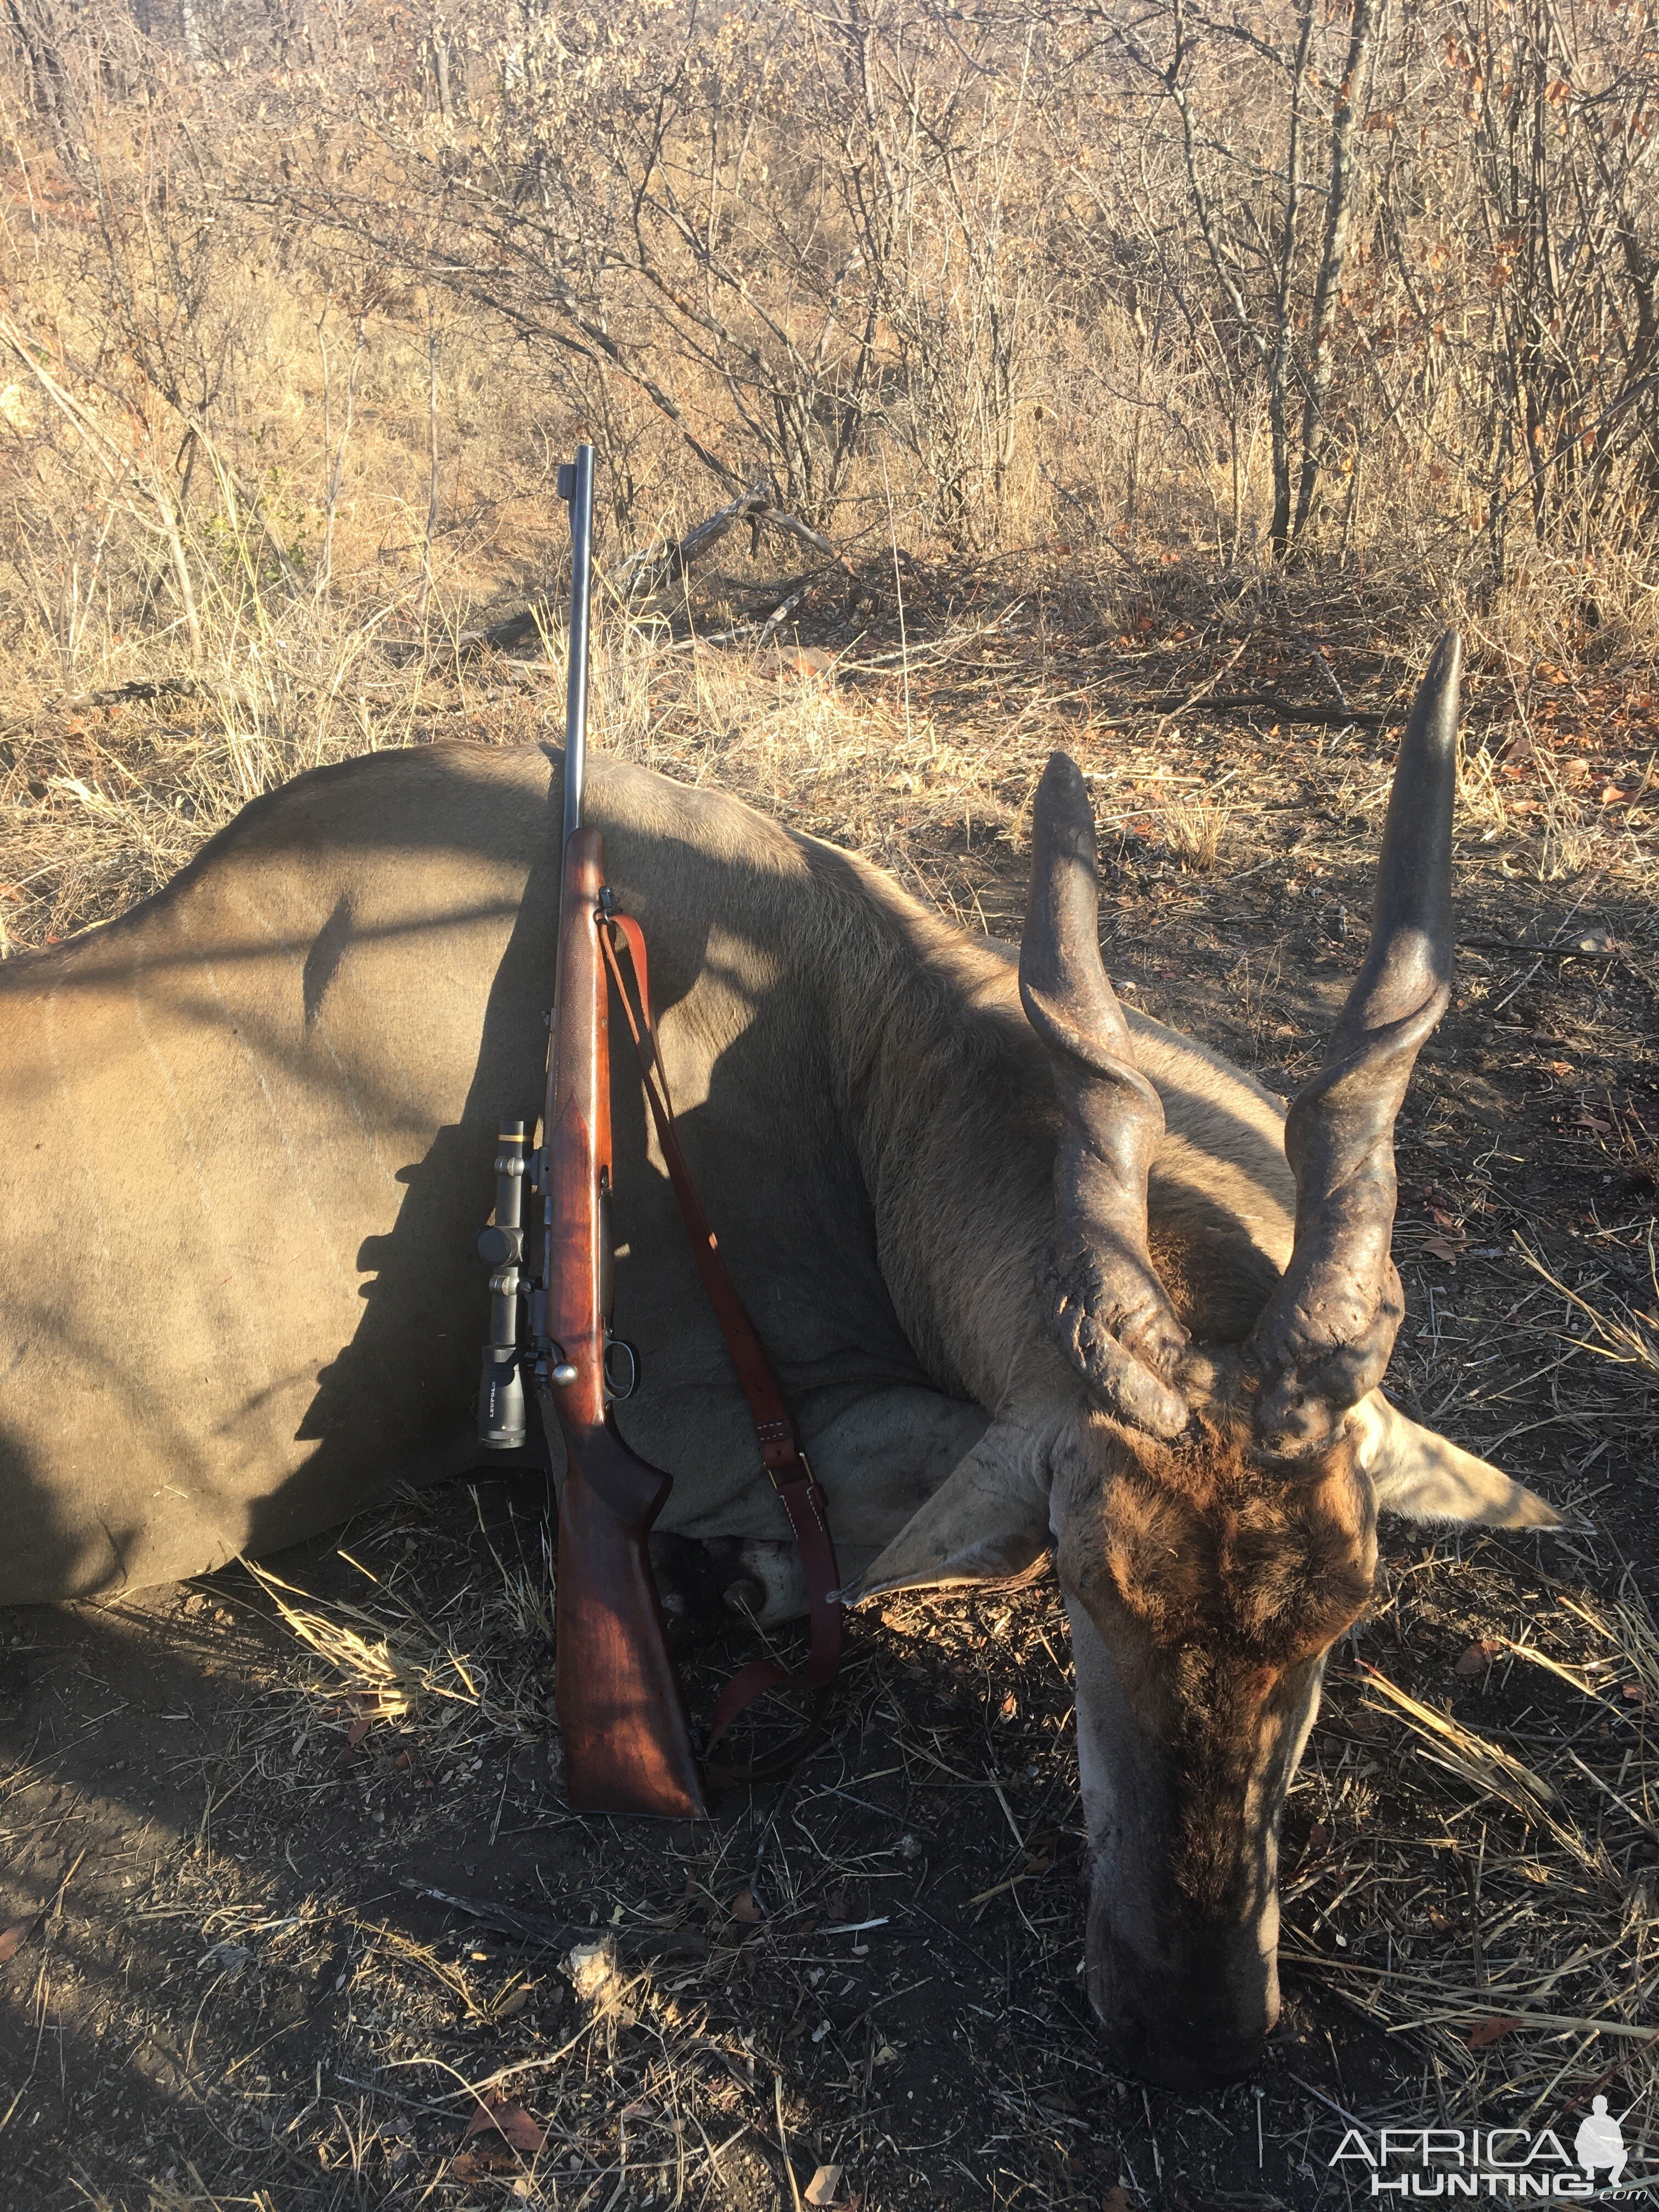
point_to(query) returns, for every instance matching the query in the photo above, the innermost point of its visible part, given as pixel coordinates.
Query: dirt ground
(288, 1882)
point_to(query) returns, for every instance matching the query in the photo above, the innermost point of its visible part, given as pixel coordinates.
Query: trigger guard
(618, 1347)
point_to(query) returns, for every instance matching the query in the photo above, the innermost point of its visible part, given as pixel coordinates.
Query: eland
(1037, 1276)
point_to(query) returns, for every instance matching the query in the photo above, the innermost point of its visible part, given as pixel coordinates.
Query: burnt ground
(224, 1807)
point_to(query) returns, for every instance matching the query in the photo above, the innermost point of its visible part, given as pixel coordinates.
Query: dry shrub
(1192, 831)
(301, 315)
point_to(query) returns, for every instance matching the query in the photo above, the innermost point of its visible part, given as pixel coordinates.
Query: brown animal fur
(1198, 1543)
(1217, 1583)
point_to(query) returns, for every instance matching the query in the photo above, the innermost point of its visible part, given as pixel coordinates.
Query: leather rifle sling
(793, 1478)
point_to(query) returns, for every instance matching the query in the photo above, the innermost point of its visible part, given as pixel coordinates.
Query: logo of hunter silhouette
(1488, 2162)
(1601, 2141)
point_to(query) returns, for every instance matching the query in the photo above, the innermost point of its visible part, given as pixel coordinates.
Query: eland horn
(1324, 1337)
(1106, 1303)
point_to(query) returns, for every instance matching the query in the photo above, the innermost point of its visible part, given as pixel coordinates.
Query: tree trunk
(1338, 208)
(1279, 365)
(192, 36)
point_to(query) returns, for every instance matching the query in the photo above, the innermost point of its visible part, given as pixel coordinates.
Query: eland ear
(987, 1522)
(1424, 1477)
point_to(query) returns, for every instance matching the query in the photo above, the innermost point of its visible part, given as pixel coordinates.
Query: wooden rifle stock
(621, 1711)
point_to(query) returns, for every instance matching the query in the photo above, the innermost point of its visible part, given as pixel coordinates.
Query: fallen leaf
(1490, 2031)
(640, 2108)
(744, 1908)
(1117, 2200)
(821, 2189)
(1585, 1120)
(12, 1941)
(1561, 1069)
(1477, 1657)
(515, 2002)
(1634, 1693)
(356, 1732)
(1441, 1248)
(511, 2129)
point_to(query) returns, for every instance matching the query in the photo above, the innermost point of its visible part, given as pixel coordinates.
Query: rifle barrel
(580, 497)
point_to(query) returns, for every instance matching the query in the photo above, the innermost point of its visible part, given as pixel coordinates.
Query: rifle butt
(620, 1709)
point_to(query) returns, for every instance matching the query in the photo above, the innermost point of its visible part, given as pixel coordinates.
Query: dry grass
(925, 758)
(1505, 1925)
(1193, 831)
(1629, 1339)
(410, 1673)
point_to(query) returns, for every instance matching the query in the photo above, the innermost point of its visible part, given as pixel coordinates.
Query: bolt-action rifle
(627, 1746)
